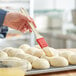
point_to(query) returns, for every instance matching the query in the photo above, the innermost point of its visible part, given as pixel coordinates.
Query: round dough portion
(66, 54)
(58, 61)
(11, 61)
(13, 51)
(46, 57)
(37, 46)
(31, 59)
(3, 55)
(35, 51)
(72, 59)
(28, 57)
(7, 49)
(50, 51)
(24, 47)
(39, 53)
(40, 64)
(31, 50)
(17, 62)
(18, 51)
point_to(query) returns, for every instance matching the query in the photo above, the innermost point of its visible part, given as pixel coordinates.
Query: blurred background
(55, 20)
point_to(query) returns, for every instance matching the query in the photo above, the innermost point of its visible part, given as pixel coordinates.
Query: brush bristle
(42, 42)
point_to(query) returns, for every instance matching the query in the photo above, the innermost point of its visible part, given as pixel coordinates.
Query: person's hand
(18, 21)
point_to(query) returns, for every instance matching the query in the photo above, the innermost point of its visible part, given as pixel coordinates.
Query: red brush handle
(42, 42)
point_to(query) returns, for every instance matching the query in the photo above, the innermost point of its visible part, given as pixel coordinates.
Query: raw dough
(50, 51)
(24, 47)
(39, 53)
(35, 51)
(13, 51)
(66, 54)
(18, 51)
(31, 50)
(3, 55)
(58, 61)
(7, 49)
(72, 59)
(17, 62)
(46, 57)
(40, 64)
(28, 57)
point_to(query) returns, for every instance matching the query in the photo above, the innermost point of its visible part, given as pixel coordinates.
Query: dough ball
(7, 49)
(50, 51)
(3, 55)
(10, 51)
(66, 54)
(38, 52)
(58, 61)
(72, 59)
(46, 57)
(13, 51)
(35, 52)
(22, 56)
(17, 62)
(28, 57)
(29, 67)
(24, 47)
(31, 59)
(37, 46)
(11, 61)
(40, 64)
(31, 50)
(18, 51)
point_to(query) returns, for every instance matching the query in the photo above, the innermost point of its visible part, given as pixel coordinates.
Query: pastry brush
(39, 38)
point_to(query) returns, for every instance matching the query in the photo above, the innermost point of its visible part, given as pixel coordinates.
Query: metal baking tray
(51, 70)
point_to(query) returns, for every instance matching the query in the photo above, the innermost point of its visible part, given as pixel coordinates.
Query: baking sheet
(8, 42)
(51, 69)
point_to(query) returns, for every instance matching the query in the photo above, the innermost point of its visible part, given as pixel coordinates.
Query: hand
(18, 21)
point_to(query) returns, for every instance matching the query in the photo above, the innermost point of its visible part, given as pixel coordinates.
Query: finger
(21, 25)
(24, 27)
(30, 30)
(28, 27)
(25, 18)
(33, 22)
(24, 30)
(28, 19)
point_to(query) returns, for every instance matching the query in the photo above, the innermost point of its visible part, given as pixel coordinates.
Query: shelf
(47, 12)
(14, 5)
(15, 1)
